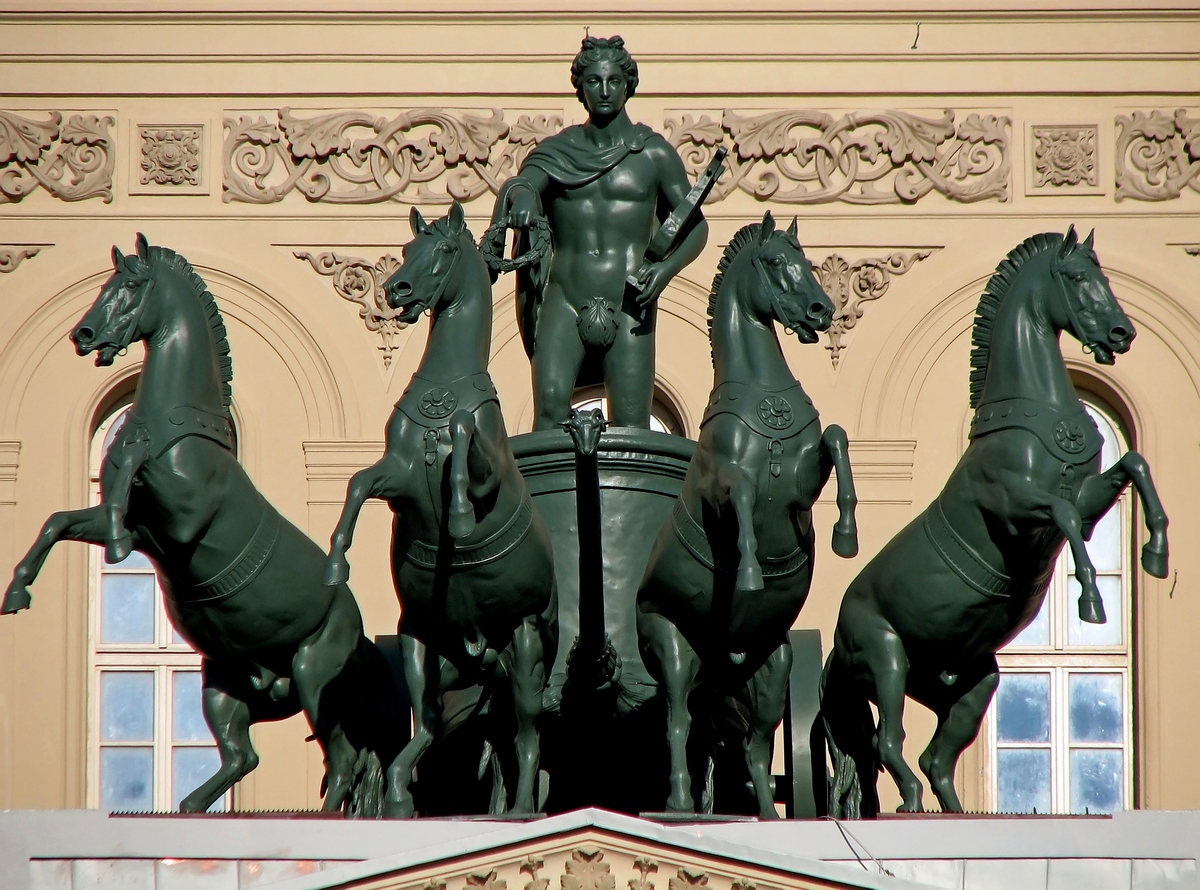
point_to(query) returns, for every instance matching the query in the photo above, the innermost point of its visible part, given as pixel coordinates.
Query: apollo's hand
(653, 283)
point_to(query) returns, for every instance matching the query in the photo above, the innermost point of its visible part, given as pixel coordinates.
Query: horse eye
(777, 261)
(444, 247)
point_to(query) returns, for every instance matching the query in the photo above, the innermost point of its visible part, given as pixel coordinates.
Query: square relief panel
(169, 159)
(1064, 159)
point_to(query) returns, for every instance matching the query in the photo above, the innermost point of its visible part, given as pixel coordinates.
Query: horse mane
(743, 236)
(215, 322)
(993, 295)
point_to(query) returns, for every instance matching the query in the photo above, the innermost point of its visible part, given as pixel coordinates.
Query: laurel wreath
(492, 245)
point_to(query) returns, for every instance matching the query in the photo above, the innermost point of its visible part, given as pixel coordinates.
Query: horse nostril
(398, 291)
(83, 334)
(1119, 333)
(818, 310)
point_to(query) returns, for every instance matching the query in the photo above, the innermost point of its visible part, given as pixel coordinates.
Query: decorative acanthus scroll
(72, 161)
(422, 156)
(12, 256)
(853, 284)
(1158, 155)
(804, 156)
(361, 282)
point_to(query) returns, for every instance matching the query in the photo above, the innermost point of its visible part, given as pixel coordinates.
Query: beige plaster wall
(311, 389)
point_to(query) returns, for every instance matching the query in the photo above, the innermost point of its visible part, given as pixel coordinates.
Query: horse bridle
(1074, 311)
(445, 279)
(789, 325)
(124, 334)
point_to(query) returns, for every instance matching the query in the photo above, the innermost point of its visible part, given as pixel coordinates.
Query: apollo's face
(604, 88)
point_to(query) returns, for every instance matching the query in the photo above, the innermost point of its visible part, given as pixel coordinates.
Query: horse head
(1088, 308)
(788, 290)
(432, 272)
(115, 318)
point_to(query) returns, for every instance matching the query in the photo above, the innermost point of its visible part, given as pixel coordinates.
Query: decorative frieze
(360, 281)
(73, 161)
(423, 156)
(1064, 156)
(1157, 155)
(805, 156)
(853, 284)
(170, 156)
(12, 256)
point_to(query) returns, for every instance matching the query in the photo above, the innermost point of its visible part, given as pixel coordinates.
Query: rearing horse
(470, 556)
(241, 584)
(732, 565)
(928, 613)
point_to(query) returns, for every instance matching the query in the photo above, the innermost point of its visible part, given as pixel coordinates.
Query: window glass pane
(126, 779)
(1023, 708)
(126, 608)
(1097, 780)
(191, 768)
(126, 706)
(1097, 707)
(1080, 633)
(1023, 780)
(1105, 546)
(187, 723)
(1037, 633)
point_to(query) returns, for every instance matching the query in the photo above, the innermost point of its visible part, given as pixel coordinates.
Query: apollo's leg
(768, 701)
(557, 358)
(382, 480)
(679, 668)
(960, 716)
(629, 371)
(89, 525)
(318, 662)
(835, 453)
(425, 674)
(1099, 493)
(528, 682)
(742, 495)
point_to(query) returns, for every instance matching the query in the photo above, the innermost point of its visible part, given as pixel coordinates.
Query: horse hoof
(845, 544)
(118, 549)
(461, 524)
(1091, 610)
(16, 598)
(552, 697)
(749, 577)
(1154, 563)
(399, 809)
(337, 571)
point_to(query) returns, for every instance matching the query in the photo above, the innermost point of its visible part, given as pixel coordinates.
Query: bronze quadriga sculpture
(928, 613)
(470, 556)
(732, 566)
(242, 584)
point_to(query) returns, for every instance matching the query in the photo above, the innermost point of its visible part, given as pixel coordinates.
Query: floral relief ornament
(1064, 156)
(170, 155)
(1157, 155)
(72, 161)
(587, 870)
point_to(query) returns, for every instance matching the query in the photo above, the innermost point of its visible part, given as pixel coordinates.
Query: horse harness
(1071, 437)
(154, 435)
(774, 414)
(695, 540)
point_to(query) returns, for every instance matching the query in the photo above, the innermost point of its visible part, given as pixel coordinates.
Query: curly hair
(604, 49)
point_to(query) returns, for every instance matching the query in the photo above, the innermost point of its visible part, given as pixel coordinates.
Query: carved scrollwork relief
(688, 879)
(1064, 156)
(1193, 249)
(72, 161)
(422, 156)
(644, 868)
(13, 256)
(804, 156)
(852, 284)
(361, 282)
(170, 155)
(1158, 155)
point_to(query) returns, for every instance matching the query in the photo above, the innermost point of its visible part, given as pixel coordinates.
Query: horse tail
(849, 729)
(366, 800)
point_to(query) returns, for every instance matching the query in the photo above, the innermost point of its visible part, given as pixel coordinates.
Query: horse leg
(742, 495)
(1099, 493)
(835, 454)
(118, 541)
(319, 661)
(887, 662)
(528, 675)
(959, 719)
(768, 700)
(679, 667)
(424, 674)
(376, 481)
(461, 512)
(89, 525)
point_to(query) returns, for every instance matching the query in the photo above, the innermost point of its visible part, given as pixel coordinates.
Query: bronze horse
(470, 556)
(242, 584)
(928, 613)
(732, 566)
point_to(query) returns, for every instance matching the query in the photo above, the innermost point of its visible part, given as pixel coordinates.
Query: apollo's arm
(520, 198)
(673, 189)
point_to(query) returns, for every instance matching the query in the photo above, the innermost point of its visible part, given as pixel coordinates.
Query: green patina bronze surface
(242, 584)
(928, 613)
(600, 191)
(471, 558)
(732, 565)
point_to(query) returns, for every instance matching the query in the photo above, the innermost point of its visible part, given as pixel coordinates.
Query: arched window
(1060, 728)
(664, 417)
(148, 743)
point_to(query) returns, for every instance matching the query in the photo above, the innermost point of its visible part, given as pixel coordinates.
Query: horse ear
(793, 227)
(768, 228)
(1090, 240)
(143, 247)
(118, 259)
(417, 222)
(1070, 240)
(458, 220)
